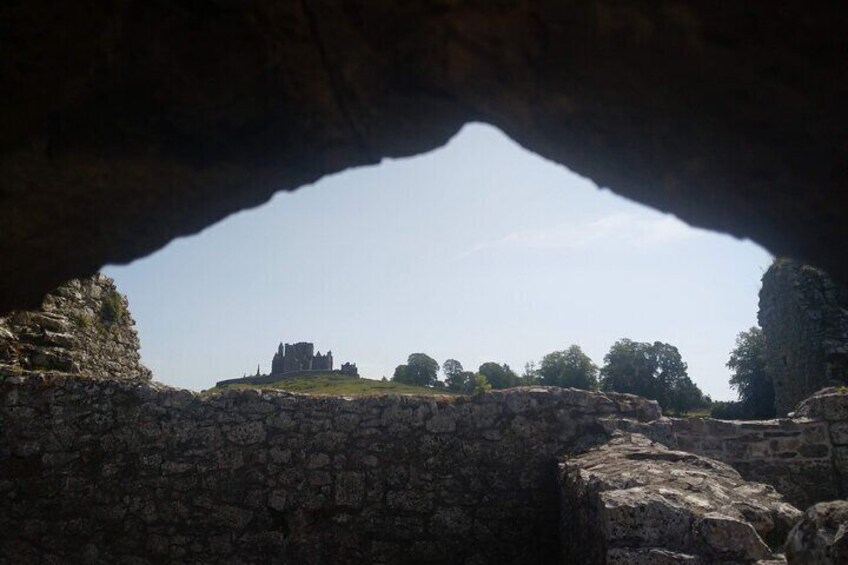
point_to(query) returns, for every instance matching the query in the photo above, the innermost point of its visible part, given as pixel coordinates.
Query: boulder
(821, 537)
(632, 500)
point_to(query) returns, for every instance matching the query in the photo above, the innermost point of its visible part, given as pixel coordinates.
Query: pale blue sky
(478, 251)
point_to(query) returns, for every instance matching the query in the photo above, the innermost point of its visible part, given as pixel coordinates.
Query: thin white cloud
(618, 229)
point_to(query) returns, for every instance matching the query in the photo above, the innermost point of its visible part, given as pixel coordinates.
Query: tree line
(653, 370)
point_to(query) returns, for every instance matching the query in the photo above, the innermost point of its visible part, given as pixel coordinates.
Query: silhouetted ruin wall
(804, 317)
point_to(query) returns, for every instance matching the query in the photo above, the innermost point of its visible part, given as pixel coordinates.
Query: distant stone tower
(278, 360)
(298, 357)
(322, 362)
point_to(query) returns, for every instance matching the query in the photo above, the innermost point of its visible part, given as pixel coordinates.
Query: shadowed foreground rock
(821, 537)
(635, 502)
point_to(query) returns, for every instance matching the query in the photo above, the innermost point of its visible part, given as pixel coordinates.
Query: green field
(335, 384)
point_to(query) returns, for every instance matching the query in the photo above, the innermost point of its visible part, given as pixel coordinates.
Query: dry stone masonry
(83, 327)
(106, 471)
(796, 456)
(115, 472)
(804, 316)
(831, 406)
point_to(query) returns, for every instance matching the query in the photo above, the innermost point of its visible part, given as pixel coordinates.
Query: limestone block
(827, 404)
(634, 499)
(246, 434)
(441, 423)
(821, 537)
(350, 489)
(839, 433)
(731, 536)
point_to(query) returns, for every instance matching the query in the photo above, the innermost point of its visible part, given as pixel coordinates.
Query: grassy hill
(335, 384)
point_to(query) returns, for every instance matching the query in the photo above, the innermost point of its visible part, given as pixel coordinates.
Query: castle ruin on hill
(292, 359)
(300, 357)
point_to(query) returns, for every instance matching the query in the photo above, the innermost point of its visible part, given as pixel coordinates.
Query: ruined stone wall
(804, 317)
(102, 471)
(796, 456)
(105, 471)
(831, 406)
(83, 327)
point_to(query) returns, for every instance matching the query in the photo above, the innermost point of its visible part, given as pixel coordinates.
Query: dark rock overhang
(125, 125)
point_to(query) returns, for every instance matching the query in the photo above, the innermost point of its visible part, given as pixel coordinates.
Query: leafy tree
(687, 397)
(465, 382)
(420, 370)
(653, 370)
(569, 368)
(480, 384)
(400, 374)
(732, 410)
(456, 382)
(530, 375)
(499, 376)
(453, 374)
(750, 378)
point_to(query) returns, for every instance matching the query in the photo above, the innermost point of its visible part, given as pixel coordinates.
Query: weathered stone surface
(397, 479)
(632, 500)
(82, 327)
(148, 474)
(829, 404)
(804, 316)
(796, 456)
(128, 124)
(821, 537)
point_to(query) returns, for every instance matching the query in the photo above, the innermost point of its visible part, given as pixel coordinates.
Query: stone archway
(126, 125)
